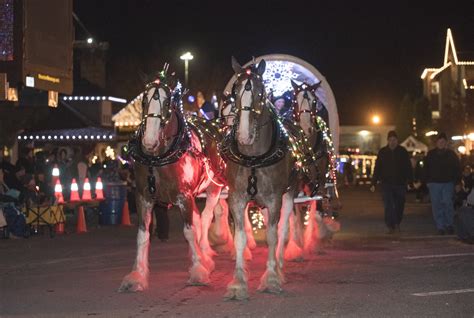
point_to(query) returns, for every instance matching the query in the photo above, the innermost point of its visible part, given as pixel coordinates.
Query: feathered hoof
(270, 283)
(209, 251)
(236, 291)
(251, 244)
(293, 252)
(208, 263)
(224, 248)
(199, 276)
(133, 282)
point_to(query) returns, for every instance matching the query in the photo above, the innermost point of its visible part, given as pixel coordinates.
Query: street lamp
(186, 57)
(376, 119)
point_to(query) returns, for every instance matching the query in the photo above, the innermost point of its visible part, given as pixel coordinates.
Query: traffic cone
(58, 192)
(99, 187)
(59, 228)
(74, 191)
(86, 194)
(81, 220)
(126, 215)
(55, 173)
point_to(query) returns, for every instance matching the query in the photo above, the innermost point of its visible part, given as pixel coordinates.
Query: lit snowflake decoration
(278, 76)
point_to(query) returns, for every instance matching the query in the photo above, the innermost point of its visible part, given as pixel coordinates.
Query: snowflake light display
(278, 76)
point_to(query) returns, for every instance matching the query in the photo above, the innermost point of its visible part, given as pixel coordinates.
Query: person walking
(393, 169)
(442, 173)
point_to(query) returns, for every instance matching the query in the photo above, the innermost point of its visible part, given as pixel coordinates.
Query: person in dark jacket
(393, 169)
(442, 173)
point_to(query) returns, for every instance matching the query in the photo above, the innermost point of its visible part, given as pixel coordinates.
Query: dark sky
(371, 52)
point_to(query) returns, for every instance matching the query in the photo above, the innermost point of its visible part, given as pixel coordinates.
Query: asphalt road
(365, 273)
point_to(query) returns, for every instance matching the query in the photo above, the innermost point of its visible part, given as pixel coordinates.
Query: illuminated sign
(30, 81)
(48, 78)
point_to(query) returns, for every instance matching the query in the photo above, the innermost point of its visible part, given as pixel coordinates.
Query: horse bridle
(248, 75)
(306, 89)
(165, 107)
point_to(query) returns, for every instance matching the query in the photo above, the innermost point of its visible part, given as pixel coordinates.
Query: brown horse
(321, 172)
(259, 168)
(173, 164)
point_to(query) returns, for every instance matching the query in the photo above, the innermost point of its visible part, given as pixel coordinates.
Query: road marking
(437, 256)
(445, 292)
(422, 237)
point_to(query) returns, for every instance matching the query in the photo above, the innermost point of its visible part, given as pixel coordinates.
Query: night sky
(371, 52)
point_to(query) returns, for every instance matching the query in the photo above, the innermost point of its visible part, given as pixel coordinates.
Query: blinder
(165, 107)
(248, 75)
(306, 89)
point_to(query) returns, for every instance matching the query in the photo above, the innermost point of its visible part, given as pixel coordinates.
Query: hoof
(236, 292)
(133, 282)
(270, 283)
(251, 244)
(199, 276)
(224, 248)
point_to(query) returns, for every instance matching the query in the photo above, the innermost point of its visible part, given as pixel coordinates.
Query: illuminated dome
(281, 68)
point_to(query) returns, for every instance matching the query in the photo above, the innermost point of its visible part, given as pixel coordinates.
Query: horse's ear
(261, 67)
(236, 66)
(295, 86)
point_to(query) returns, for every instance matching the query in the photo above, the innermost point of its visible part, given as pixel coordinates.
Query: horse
(173, 163)
(322, 169)
(260, 168)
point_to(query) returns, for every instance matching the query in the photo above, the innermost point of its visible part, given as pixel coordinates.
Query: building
(363, 139)
(451, 85)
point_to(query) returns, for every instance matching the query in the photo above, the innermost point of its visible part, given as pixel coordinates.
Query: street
(364, 273)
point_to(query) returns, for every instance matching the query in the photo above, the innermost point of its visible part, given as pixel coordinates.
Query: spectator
(462, 192)
(393, 169)
(27, 160)
(442, 173)
(13, 180)
(283, 104)
(206, 109)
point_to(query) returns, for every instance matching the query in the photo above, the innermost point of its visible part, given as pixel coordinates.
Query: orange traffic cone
(55, 174)
(86, 194)
(99, 187)
(59, 228)
(58, 192)
(126, 214)
(81, 220)
(74, 191)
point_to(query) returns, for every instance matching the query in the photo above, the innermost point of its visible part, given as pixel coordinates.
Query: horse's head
(156, 113)
(250, 98)
(305, 102)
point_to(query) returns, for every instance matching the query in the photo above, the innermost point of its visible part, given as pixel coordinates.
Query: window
(435, 88)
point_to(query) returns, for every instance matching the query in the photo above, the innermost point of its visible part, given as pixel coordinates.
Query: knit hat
(392, 133)
(442, 136)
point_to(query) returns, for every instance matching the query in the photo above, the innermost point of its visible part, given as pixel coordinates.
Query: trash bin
(110, 210)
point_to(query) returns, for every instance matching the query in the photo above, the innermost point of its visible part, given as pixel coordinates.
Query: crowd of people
(29, 181)
(449, 186)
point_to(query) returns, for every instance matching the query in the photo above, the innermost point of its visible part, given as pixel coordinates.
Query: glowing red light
(248, 71)
(157, 81)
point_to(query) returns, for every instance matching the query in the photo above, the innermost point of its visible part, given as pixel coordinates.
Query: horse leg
(222, 228)
(248, 230)
(293, 250)
(272, 278)
(137, 279)
(198, 273)
(213, 192)
(238, 289)
(310, 234)
(286, 209)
